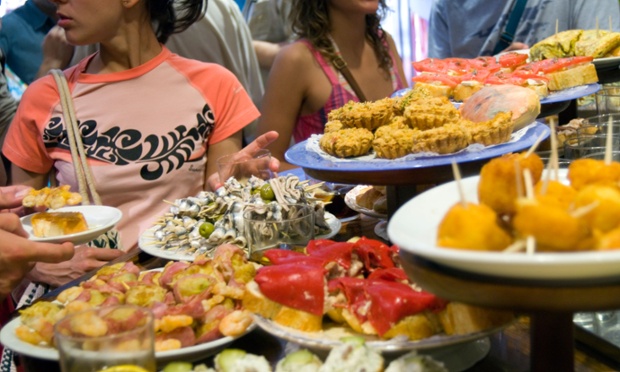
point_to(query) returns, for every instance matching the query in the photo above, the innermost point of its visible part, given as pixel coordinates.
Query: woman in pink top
(148, 118)
(303, 84)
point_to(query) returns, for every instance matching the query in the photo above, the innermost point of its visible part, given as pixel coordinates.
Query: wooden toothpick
(608, 142)
(459, 184)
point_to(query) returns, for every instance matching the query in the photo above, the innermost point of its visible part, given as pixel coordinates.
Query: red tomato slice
(485, 63)
(430, 65)
(432, 77)
(555, 64)
(512, 60)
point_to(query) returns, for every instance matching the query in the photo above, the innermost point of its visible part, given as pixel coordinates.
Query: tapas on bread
(576, 42)
(358, 284)
(459, 78)
(192, 303)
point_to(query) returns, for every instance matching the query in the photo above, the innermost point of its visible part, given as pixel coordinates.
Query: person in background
(149, 119)
(223, 37)
(304, 86)
(271, 27)
(470, 29)
(22, 34)
(8, 106)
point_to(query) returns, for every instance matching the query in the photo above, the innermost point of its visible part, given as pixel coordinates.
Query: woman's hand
(11, 198)
(85, 259)
(261, 142)
(18, 254)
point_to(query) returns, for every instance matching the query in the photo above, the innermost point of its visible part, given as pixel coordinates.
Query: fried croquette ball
(605, 215)
(583, 172)
(497, 187)
(608, 241)
(346, 143)
(555, 193)
(554, 228)
(473, 226)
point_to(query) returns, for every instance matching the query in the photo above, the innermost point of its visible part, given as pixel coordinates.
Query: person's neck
(349, 33)
(125, 54)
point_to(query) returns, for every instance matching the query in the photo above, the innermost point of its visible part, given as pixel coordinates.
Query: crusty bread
(465, 89)
(434, 90)
(49, 224)
(578, 75)
(254, 301)
(416, 327)
(459, 318)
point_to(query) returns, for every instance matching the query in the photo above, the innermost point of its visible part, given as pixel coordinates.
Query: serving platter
(332, 337)
(99, 219)
(308, 155)
(414, 229)
(146, 242)
(191, 353)
(351, 202)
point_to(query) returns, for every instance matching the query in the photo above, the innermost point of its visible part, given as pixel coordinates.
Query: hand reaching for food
(85, 259)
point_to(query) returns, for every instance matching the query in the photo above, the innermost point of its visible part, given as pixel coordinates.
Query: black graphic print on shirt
(159, 154)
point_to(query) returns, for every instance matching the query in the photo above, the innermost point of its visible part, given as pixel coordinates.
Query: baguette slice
(459, 318)
(572, 77)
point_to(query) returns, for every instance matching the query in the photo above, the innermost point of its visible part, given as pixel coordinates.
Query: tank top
(341, 93)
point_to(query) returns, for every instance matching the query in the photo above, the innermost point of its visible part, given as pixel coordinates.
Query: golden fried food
(346, 143)
(498, 186)
(333, 126)
(490, 132)
(474, 226)
(441, 140)
(393, 141)
(554, 228)
(604, 201)
(54, 197)
(368, 115)
(585, 171)
(607, 241)
(555, 193)
(431, 113)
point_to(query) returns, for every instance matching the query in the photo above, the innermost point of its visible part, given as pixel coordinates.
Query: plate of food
(149, 244)
(415, 227)
(368, 200)
(76, 224)
(181, 332)
(307, 154)
(190, 353)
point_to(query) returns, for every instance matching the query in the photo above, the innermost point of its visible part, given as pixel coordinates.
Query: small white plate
(191, 353)
(146, 242)
(99, 219)
(414, 229)
(351, 202)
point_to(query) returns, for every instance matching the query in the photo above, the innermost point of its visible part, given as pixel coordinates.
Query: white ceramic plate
(146, 241)
(192, 353)
(331, 337)
(350, 199)
(414, 229)
(99, 219)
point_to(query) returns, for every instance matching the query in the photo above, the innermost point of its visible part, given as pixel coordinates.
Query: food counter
(507, 350)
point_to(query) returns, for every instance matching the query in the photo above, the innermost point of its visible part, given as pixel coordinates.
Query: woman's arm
(227, 146)
(285, 94)
(20, 176)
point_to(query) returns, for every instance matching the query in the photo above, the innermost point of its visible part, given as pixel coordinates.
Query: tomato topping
(334, 252)
(512, 60)
(555, 64)
(298, 286)
(432, 77)
(430, 65)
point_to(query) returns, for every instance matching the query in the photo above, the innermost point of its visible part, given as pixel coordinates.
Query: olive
(266, 192)
(205, 229)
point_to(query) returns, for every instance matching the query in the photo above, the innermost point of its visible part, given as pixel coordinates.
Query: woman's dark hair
(310, 20)
(173, 16)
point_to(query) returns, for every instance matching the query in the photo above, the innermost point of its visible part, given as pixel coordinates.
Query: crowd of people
(163, 88)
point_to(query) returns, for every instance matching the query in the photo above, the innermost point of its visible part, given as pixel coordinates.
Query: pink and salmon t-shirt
(146, 132)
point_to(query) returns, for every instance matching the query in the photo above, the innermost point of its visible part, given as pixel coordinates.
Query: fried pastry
(51, 197)
(393, 141)
(368, 115)
(442, 140)
(491, 132)
(346, 143)
(431, 113)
